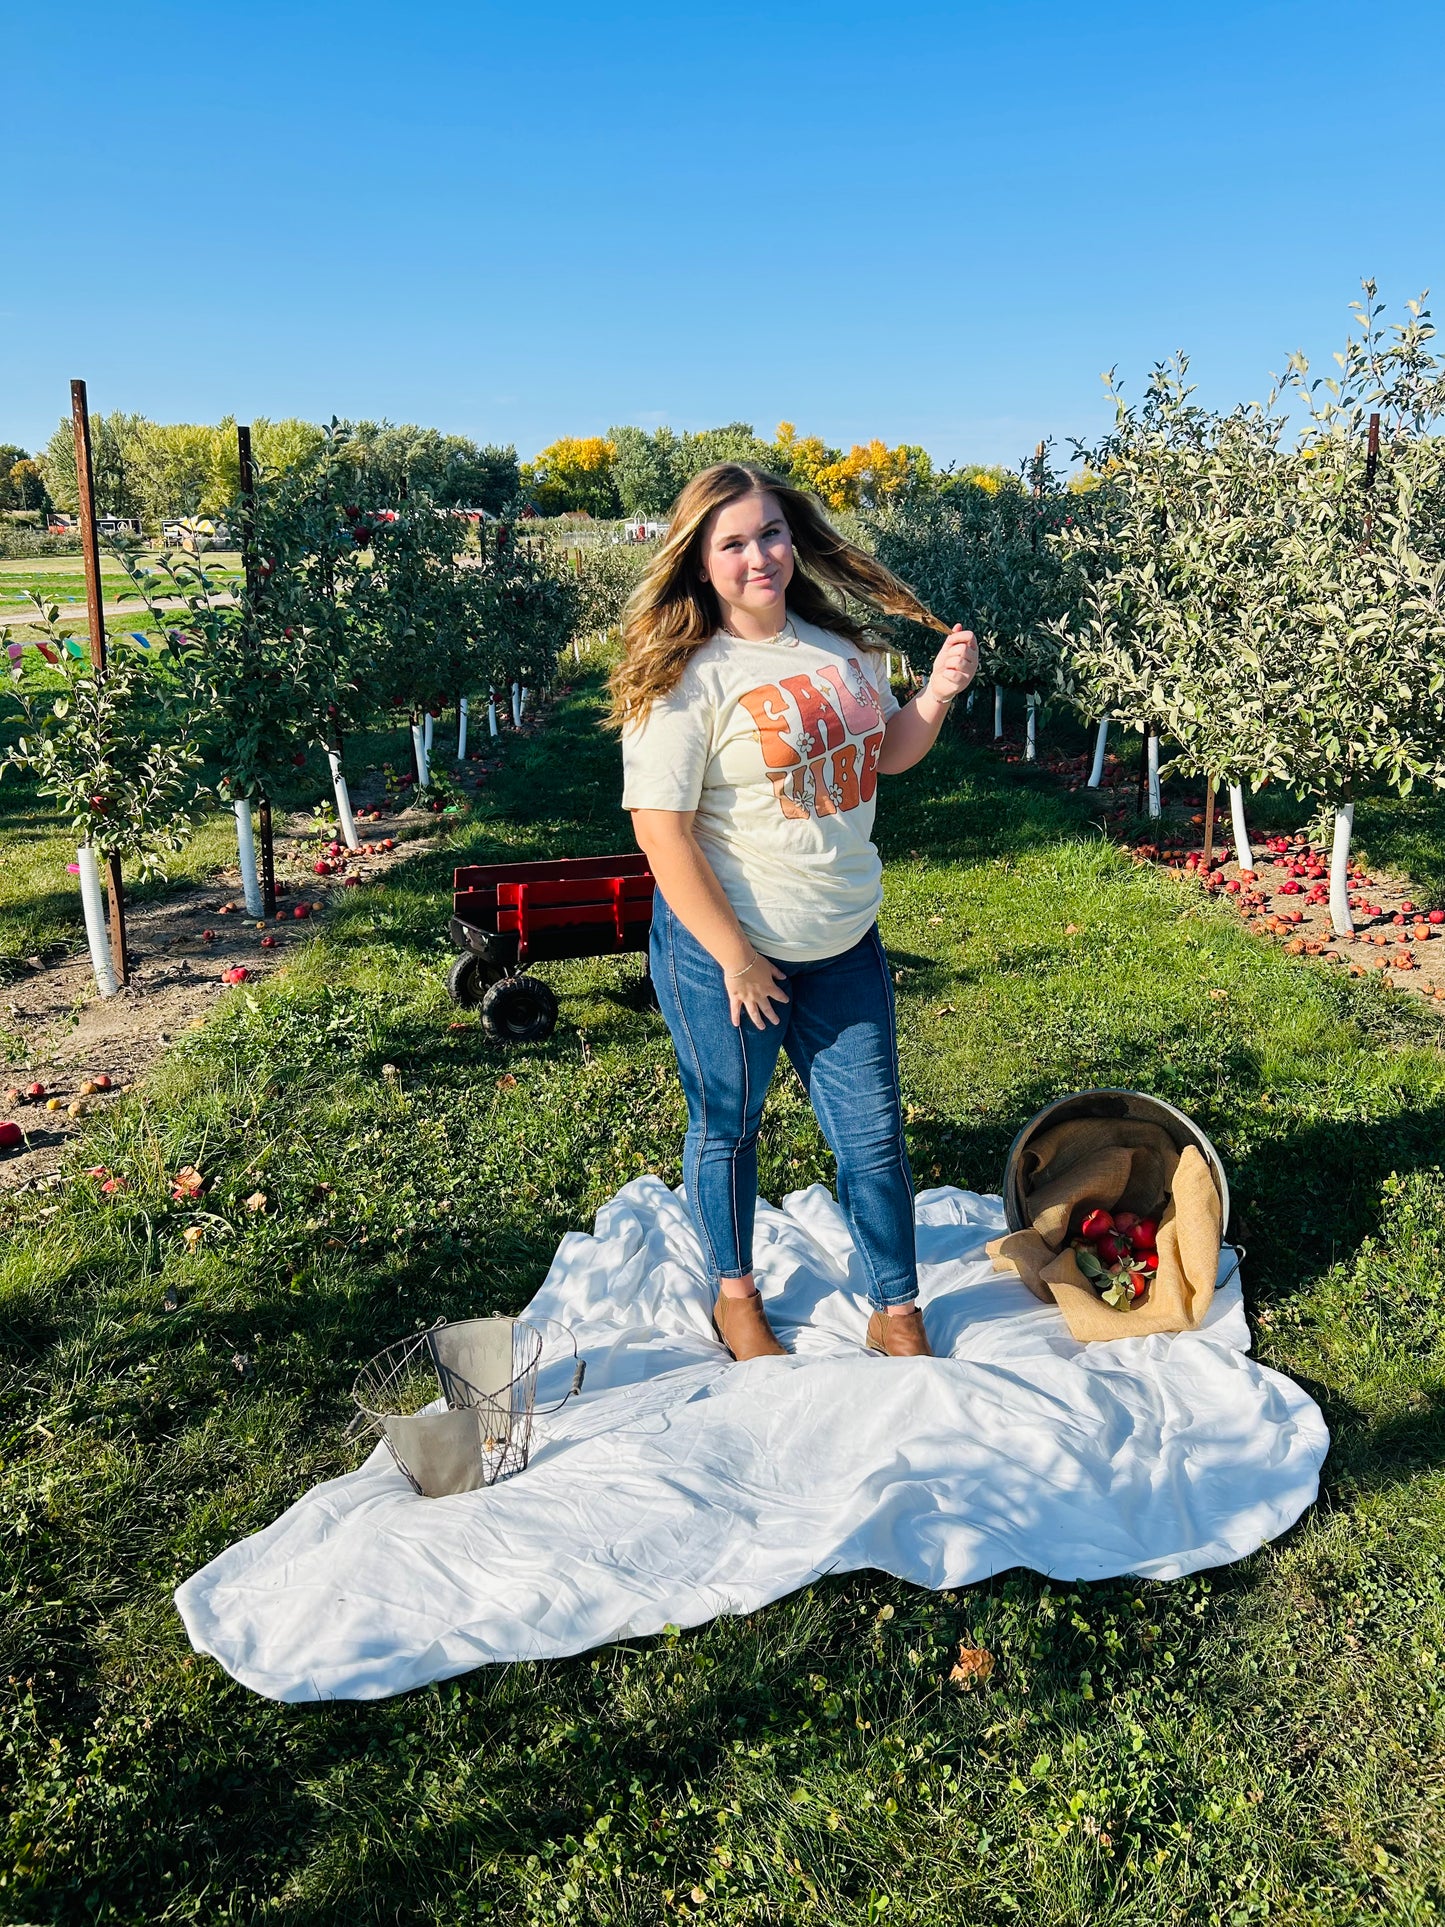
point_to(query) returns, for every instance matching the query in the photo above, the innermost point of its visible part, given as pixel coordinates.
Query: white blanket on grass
(681, 1485)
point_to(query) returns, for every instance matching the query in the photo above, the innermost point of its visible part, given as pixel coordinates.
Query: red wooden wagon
(507, 916)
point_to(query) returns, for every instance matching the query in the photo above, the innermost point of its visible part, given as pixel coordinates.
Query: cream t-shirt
(775, 746)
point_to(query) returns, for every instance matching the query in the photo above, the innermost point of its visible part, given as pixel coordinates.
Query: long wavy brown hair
(673, 611)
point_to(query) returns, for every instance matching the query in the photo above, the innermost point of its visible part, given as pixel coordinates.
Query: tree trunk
(95, 932)
(246, 850)
(1243, 853)
(1340, 872)
(1101, 744)
(343, 800)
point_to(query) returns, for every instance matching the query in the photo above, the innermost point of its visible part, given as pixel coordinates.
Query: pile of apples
(1117, 1252)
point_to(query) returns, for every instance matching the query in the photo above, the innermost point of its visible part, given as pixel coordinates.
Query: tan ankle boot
(899, 1334)
(742, 1325)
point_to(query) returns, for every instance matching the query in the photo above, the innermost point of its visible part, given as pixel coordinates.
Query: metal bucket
(454, 1405)
(1137, 1105)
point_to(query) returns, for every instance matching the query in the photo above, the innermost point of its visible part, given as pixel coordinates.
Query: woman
(754, 728)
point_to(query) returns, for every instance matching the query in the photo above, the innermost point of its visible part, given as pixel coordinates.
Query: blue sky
(937, 224)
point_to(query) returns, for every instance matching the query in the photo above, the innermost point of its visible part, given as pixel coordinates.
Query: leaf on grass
(973, 1663)
(257, 1201)
(187, 1183)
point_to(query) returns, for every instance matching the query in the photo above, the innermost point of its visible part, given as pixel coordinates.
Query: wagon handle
(1241, 1252)
(579, 1367)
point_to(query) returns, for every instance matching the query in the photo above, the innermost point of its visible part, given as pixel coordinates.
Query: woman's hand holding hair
(955, 665)
(913, 731)
(755, 988)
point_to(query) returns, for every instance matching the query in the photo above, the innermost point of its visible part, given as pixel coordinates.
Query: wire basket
(454, 1405)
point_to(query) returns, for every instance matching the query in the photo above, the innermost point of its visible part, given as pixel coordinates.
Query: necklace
(787, 638)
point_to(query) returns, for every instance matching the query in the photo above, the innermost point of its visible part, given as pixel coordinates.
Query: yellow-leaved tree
(573, 473)
(863, 478)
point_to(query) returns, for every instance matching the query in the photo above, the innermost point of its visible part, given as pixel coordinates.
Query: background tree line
(636, 471)
(153, 471)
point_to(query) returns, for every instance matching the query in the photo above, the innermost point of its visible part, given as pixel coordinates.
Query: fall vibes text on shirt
(774, 747)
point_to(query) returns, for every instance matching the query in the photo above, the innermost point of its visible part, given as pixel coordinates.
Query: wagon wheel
(468, 978)
(519, 1010)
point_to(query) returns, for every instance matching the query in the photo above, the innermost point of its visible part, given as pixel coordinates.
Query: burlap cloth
(1128, 1165)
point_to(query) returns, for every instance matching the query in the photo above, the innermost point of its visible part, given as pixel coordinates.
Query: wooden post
(248, 508)
(1208, 822)
(253, 591)
(1372, 465)
(90, 548)
(268, 856)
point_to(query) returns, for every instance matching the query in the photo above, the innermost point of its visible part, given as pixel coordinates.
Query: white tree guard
(246, 851)
(344, 814)
(516, 705)
(1151, 751)
(997, 712)
(423, 767)
(1031, 729)
(463, 710)
(96, 936)
(1340, 872)
(427, 729)
(492, 712)
(1243, 850)
(1101, 744)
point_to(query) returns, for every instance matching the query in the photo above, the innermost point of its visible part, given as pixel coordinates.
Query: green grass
(1264, 1742)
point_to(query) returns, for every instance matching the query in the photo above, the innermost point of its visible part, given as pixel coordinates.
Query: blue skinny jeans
(839, 1031)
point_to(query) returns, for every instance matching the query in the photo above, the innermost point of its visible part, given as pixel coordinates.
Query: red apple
(10, 1136)
(1096, 1223)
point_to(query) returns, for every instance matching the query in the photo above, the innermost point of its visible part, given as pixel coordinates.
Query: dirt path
(73, 1036)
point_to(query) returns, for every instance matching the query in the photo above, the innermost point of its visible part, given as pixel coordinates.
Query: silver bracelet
(745, 969)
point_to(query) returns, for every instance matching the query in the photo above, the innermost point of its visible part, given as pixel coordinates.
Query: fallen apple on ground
(11, 1135)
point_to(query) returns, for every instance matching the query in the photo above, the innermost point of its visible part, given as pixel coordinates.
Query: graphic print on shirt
(821, 737)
